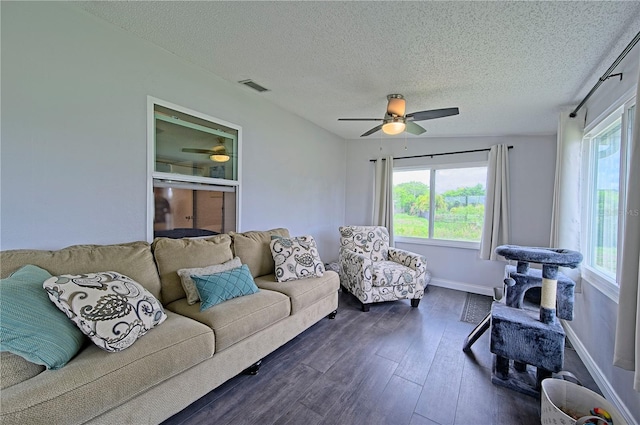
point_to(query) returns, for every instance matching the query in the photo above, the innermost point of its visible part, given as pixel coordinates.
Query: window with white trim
(606, 148)
(439, 203)
(194, 172)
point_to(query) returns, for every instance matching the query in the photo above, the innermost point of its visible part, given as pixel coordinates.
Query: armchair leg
(332, 315)
(365, 307)
(415, 302)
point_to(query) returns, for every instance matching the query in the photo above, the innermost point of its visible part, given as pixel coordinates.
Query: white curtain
(627, 346)
(566, 212)
(495, 231)
(383, 195)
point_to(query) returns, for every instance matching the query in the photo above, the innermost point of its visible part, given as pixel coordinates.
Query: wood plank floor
(393, 365)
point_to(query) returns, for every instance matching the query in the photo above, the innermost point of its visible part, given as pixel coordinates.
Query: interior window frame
(181, 180)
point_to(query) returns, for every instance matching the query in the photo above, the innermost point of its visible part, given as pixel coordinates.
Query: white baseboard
(602, 381)
(462, 286)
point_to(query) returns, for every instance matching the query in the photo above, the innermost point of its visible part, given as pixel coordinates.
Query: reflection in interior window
(181, 212)
(190, 146)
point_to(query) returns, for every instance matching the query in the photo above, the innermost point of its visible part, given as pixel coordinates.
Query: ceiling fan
(217, 153)
(395, 120)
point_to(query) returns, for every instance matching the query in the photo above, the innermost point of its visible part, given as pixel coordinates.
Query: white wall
(532, 168)
(594, 324)
(73, 132)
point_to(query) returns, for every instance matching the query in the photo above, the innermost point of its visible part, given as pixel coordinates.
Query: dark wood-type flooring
(392, 365)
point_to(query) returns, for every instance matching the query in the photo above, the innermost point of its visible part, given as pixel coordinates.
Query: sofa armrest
(413, 261)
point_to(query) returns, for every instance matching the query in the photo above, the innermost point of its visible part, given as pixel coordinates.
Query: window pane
(411, 203)
(180, 212)
(459, 203)
(195, 147)
(604, 207)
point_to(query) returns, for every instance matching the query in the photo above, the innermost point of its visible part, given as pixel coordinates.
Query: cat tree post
(548, 296)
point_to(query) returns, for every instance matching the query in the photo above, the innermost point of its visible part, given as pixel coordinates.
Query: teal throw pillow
(216, 288)
(31, 326)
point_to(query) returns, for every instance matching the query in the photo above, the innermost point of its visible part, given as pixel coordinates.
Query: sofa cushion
(253, 249)
(30, 325)
(168, 350)
(305, 292)
(189, 285)
(295, 258)
(174, 254)
(239, 318)
(131, 259)
(113, 310)
(15, 369)
(216, 288)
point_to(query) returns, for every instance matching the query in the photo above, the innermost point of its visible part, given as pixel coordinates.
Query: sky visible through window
(608, 157)
(451, 178)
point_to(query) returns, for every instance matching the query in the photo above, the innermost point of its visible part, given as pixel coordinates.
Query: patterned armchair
(375, 272)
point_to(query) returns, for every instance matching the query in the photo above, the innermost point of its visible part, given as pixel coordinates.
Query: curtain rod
(607, 74)
(439, 154)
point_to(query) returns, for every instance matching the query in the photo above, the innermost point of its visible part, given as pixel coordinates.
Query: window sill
(602, 283)
(437, 242)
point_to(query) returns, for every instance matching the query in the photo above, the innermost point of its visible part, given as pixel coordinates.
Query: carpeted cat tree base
(518, 339)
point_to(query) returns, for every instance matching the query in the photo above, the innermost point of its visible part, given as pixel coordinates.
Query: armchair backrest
(370, 241)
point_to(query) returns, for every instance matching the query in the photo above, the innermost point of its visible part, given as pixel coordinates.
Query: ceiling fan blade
(360, 119)
(414, 128)
(373, 130)
(432, 114)
(193, 150)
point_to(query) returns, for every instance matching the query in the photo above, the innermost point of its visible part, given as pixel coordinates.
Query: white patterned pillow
(296, 258)
(189, 285)
(113, 310)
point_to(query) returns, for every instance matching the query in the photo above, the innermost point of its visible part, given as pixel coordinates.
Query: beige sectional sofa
(182, 359)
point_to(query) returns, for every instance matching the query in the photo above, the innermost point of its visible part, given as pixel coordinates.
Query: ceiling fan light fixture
(393, 127)
(217, 157)
(220, 153)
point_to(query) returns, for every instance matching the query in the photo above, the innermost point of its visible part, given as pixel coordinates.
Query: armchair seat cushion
(390, 273)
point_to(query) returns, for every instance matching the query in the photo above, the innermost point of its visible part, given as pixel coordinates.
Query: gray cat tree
(523, 336)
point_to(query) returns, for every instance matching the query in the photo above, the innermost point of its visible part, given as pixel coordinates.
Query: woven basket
(557, 393)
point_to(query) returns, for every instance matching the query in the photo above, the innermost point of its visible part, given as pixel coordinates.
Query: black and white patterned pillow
(296, 258)
(113, 310)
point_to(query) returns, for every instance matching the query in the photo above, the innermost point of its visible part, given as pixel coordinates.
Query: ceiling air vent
(253, 85)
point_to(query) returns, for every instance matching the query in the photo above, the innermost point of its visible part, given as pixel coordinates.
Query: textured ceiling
(508, 66)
